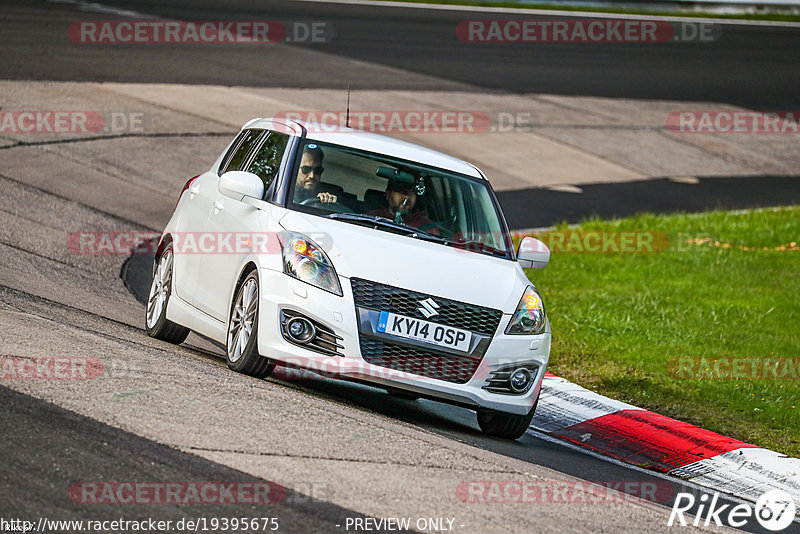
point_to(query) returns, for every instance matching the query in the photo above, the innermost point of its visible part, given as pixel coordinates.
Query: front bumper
(279, 291)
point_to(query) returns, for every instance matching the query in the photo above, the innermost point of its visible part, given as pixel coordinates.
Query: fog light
(520, 380)
(300, 330)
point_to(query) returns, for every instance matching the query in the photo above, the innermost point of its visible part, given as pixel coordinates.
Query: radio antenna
(347, 114)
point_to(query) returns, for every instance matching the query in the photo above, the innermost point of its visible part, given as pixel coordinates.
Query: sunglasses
(306, 169)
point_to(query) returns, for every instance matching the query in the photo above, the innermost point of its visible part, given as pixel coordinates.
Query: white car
(360, 256)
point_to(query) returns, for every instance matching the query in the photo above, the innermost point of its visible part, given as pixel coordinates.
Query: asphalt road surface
(176, 413)
(751, 66)
(48, 448)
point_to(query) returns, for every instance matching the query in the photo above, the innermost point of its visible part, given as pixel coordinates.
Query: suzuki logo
(428, 308)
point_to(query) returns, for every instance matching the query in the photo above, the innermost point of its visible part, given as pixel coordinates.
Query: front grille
(381, 297)
(418, 362)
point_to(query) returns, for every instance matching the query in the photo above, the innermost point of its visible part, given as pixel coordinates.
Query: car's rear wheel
(242, 341)
(505, 425)
(156, 322)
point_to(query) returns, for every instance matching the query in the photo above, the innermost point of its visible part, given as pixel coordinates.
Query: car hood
(411, 263)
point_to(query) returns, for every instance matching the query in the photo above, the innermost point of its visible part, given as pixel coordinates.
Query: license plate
(426, 331)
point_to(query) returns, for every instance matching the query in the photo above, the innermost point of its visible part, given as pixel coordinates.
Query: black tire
(244, 309)
(505, 425)
(155, 313)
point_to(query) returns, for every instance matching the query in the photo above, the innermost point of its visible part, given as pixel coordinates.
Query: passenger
(400, 201)
(309, 174)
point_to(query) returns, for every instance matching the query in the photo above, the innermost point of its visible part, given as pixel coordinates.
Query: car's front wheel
(505, 425)
(156, 322)
(242, 342)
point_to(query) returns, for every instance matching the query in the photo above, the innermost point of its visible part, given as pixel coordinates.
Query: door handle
(193, 191)
(218, 206)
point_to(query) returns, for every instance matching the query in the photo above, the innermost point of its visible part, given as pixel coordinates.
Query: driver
(399, 207)
(309, 175)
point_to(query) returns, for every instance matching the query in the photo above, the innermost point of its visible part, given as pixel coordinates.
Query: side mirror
(532, 253)
(240, 184)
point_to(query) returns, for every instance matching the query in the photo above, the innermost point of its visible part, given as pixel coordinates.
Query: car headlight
(305, 260)
(529, 317)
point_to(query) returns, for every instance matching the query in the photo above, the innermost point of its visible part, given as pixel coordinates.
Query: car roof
(367, 141)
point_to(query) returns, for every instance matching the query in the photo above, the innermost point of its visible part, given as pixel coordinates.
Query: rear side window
(268, 158)
(240, 154)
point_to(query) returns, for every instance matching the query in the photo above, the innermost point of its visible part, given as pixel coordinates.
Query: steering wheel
(315, 202)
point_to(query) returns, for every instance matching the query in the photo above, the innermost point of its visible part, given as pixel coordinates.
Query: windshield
(398, 196)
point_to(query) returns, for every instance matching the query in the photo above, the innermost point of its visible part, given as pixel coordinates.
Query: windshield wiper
(473, 245)
(383, 222)
(363, 217)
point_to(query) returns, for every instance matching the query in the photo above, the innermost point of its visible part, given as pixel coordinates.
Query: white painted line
(556, 13)
(691, 180)
(93, 7)
(565, 188)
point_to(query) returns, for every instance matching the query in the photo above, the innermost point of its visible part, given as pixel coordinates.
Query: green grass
(619, 318)
(774, 16)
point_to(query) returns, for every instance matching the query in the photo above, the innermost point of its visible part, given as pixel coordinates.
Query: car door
(198, 200)
(232, 225)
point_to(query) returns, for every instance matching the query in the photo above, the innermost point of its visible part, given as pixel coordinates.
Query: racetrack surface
(177, 413)
(751, 66)
(656, 195)
(57, 449)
